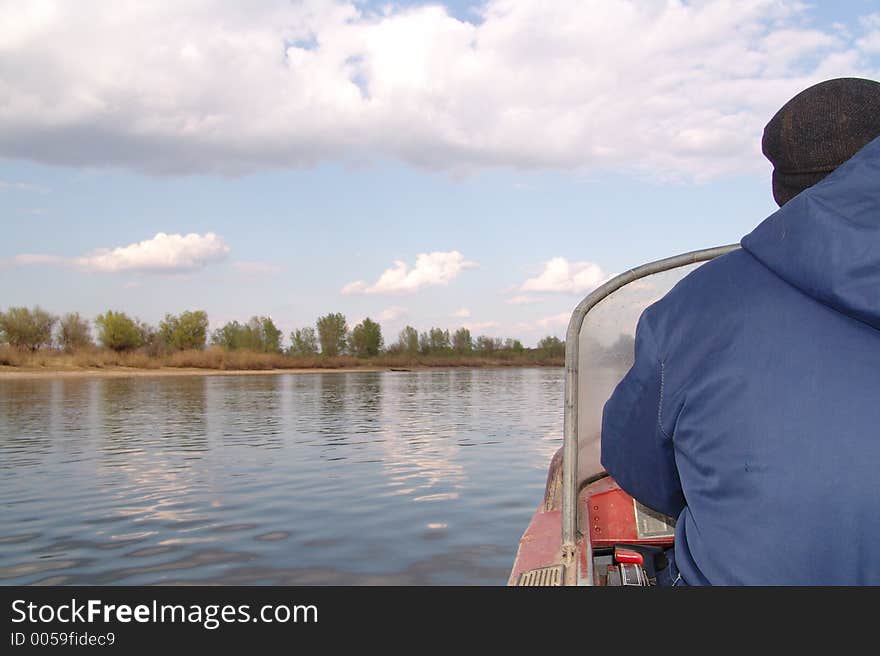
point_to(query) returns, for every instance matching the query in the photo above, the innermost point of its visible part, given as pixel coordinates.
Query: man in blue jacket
(752, 410)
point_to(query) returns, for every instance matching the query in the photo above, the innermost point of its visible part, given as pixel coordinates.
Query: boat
(587, 531)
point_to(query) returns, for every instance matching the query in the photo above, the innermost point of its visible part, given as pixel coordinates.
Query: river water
(420, 478)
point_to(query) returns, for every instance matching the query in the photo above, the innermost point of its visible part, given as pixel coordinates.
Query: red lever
(627, 556)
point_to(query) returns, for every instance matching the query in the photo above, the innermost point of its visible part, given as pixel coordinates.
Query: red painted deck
(540, 545)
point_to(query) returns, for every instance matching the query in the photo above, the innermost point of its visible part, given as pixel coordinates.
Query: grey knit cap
(818, 130)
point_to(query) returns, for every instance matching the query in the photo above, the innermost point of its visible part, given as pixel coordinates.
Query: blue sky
(302, 149)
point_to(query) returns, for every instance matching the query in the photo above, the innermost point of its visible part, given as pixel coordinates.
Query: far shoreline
(23, 373)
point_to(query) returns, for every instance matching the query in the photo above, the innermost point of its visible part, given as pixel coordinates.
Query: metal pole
(572, 354)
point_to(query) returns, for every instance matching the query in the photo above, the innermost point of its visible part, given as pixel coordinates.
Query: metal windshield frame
(572, 354)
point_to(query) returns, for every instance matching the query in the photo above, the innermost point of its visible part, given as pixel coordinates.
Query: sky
(477, 164)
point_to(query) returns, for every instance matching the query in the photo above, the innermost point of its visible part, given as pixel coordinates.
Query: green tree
(258, 334)
(332, 333)
(151, 339)
(461, 341)
(74, 332)
(304, 342)
(408, 340)
(188, 330)
(435, 340)
(514, 345)
(230, 337)
(366, 339)
(118, 331)
(439, 340)
(486, 344)
(551, 346)
(265, 336)
(26, 328)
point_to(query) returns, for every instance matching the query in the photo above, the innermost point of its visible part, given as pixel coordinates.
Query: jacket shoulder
(726, 273)
(713, 291)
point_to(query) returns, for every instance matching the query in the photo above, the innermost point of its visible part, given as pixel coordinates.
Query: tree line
(34, 329)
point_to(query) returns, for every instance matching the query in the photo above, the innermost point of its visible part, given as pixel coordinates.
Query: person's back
(752, 412)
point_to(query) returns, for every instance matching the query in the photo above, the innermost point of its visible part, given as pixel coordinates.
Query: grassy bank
(241, 360)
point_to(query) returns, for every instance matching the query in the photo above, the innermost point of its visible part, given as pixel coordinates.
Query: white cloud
(438, 268)
(392, 313)
(161, 254)
(256, 268)
(523, 299)
(560, 275)
(870, 42)
(462, 313)
(357, 287)
(668, 88)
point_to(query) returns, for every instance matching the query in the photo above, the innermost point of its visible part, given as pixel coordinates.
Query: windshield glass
(606, 354)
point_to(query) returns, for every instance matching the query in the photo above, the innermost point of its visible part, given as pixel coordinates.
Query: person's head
(818, 130)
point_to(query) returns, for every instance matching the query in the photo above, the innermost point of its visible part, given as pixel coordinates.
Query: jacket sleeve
(636, 451)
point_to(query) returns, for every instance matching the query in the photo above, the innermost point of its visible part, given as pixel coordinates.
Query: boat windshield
(606, 354)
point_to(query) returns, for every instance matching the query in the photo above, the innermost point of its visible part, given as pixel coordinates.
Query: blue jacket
(752, 411)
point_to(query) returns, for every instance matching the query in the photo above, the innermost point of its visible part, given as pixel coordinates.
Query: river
(412, 478)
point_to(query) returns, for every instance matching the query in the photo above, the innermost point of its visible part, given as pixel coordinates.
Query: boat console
(627, 540)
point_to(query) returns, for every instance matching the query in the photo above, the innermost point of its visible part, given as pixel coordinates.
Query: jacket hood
(826, 240)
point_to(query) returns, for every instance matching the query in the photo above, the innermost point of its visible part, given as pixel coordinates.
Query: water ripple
(369, 478)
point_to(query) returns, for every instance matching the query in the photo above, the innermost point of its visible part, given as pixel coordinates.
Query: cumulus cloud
(870, 42)
(462, 313)
(431, 269)
(162, 254)
(560, 275)
(669, 88)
